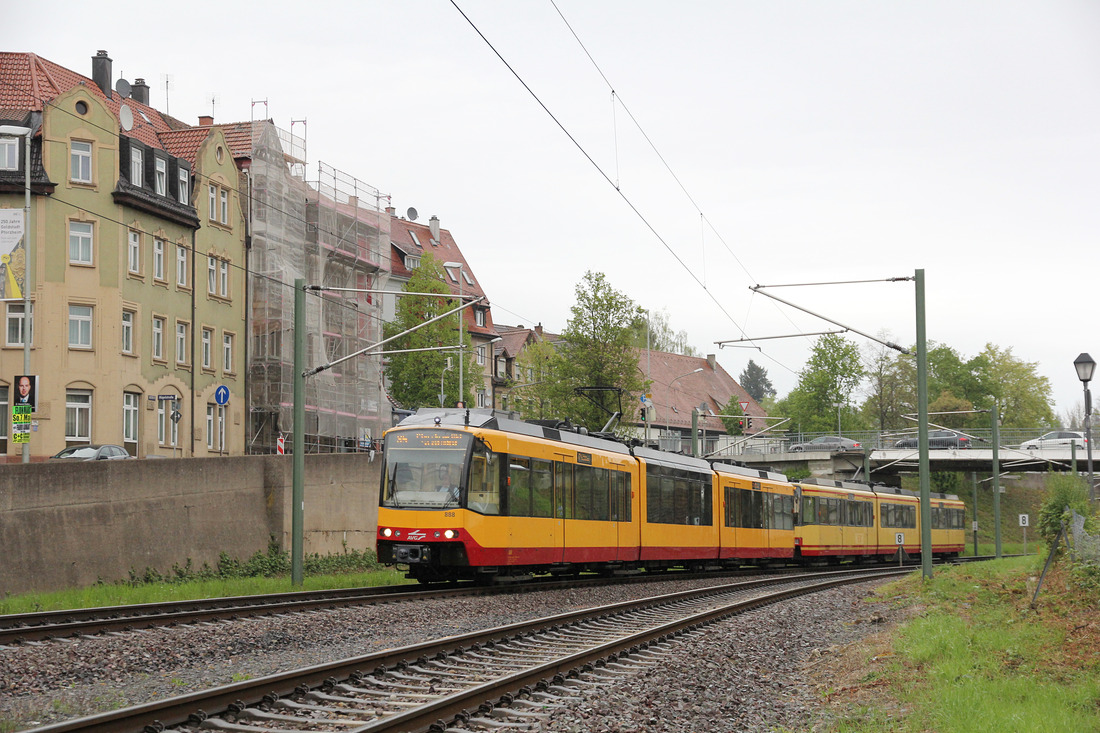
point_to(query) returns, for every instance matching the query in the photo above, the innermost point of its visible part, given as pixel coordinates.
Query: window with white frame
(4, 411)
(17, 324)
(223, 278)
(181, 266)
(182, 330)
(133, 252)
(127, 332)
(80, 161)
(131, 401)
(215, 427)
(80, 326)
(213, 191)
(80, 242)
(161, 181)
(482, 398)
(481, 355)
(211, 275)
(158, 337)
(207, 345)
(185, 186)
(479, 316)
(227, 353)
(137, 165)
(78, 415)
(158, 259)
(9, 153)
(210, 411)
(224, 206)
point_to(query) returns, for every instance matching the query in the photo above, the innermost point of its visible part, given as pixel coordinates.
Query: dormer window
(136, 166)
(185, 186)
(479, 316)
(466, 277)
(412, 262)
(9, 154)
(161, 181)
(415, 240)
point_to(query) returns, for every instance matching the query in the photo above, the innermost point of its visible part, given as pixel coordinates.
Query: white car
(1056, 439)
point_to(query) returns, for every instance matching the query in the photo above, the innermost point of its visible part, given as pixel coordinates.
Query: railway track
(505, 674)
(47, 625)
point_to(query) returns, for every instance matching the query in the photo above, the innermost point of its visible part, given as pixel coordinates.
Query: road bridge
(887, 464)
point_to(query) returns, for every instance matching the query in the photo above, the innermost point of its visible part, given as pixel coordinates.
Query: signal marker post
(1025, 520)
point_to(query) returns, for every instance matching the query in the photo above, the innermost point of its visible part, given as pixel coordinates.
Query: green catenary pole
(297, 509)
(974, 523)
(996, 477)
(922, 433)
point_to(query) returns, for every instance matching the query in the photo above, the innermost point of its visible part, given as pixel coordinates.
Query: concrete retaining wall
(67, 525)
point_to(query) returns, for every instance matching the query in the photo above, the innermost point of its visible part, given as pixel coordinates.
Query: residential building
(137, 250)
(517, 369)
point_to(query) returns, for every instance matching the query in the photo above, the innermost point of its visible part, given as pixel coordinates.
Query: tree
(754, 380)
(1023, 396)
(596, 350)
(654, 329)
(533, 395)
(415, 377)
(892, 387)
(832, 373)
(734, 425)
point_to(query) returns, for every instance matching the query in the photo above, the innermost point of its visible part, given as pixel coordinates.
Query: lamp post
(1085, 366)
(28, 279)
(838, 405)
(667, 417)
(442, 376)
(461, 331)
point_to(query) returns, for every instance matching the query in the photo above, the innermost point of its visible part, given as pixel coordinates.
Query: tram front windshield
(424, 469)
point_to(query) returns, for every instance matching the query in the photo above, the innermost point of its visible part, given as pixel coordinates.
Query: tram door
(563, 497)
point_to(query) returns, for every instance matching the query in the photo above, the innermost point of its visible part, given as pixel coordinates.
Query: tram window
(542, 489)
(519, 487)
(620, 496)
(483, 494)
(601, 499)
(752, 514)
(582, 492)
(732, 506)
(563, 473)
(781, 514)
(809, 510)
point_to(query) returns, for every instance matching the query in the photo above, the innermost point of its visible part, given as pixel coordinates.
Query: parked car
(92, 453)
(827, 443)
(937, 439)
(1056, 439)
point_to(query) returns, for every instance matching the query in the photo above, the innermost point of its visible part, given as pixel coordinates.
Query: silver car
(1056, 439)
(826, 443)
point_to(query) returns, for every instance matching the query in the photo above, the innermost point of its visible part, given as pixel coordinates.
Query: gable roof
(677, 388)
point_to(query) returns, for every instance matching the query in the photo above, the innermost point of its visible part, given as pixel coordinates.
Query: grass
(978, 658)
(127, 594)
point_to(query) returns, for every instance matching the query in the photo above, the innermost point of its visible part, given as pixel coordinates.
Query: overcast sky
(801, 142)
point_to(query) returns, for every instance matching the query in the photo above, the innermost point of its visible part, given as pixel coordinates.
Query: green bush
(1063, 490)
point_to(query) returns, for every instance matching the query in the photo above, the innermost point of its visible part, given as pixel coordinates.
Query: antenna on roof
(123, 88)
(412, 214)
(167, 79)
(213, 103)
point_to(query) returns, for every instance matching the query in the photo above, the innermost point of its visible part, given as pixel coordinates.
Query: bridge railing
(875, 439)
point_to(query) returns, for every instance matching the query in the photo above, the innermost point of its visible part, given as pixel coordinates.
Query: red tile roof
(29, 82)
(677, 388)
(184, 143)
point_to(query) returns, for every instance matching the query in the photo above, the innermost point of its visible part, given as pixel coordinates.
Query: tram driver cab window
(447, 480)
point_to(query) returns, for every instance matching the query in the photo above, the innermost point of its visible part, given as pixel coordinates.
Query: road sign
(280, 445)
(744, 406)
(1025, 520)
(221, 395)
(176, 416)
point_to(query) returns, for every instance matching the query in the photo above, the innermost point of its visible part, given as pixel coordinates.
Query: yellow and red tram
(474, 494)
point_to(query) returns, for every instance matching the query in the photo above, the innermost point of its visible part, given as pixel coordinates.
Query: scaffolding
(334, 232)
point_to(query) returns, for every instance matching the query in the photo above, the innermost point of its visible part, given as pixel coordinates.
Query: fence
(1086, 547)
(874, 439)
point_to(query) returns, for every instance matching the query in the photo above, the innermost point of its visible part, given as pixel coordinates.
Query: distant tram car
(476, 495)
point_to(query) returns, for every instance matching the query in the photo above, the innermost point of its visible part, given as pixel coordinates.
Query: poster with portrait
(13, 254)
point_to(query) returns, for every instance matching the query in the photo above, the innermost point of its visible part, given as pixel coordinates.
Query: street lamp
(461, 331)
(442, 376)
(1085, 366)
(838, 405)
(28, 279)
(667, 416)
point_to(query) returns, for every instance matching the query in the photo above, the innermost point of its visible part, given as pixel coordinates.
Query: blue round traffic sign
(221, 395)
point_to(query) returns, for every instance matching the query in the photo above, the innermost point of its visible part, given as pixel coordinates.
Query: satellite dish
(126, 118)
(123, 88)
(412, 214)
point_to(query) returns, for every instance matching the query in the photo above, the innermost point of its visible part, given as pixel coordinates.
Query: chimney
(433, 225)
(391, 211)
(353, 202)
(206, 120)
(139, 92)
(101, 72)
(710, 361)
(538, 329)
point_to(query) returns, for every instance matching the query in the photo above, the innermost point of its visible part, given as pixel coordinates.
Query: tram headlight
(450, 533)
(387, 532)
